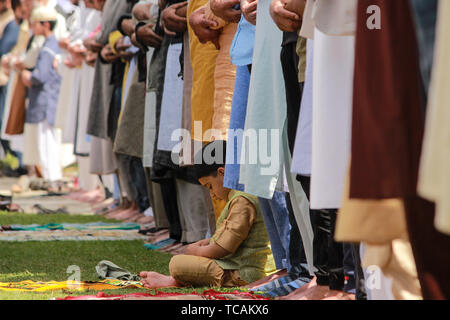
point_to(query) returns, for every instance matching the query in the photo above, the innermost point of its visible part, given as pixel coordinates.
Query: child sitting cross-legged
(237, 254)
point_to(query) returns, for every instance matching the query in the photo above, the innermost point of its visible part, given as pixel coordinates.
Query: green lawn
(26, 218)
(45, 261)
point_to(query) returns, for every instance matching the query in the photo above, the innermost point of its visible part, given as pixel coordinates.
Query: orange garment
(224, 77)
(203, 61)
(217, 116)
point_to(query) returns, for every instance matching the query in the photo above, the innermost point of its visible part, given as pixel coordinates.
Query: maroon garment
(388, 131)
(387, 119)
(431, 249)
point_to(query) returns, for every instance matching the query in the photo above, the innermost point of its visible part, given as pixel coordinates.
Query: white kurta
(172, 100)
(43, 147)
(332, 115)
(301, 161)
(82, 143)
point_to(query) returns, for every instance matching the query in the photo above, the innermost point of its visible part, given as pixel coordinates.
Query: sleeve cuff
(113, 38)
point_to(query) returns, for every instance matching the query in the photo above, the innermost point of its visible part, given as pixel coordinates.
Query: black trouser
(328, 254)
(169, 195)
(297, 256)
(294, 89)
(353, 271)
(114, 112)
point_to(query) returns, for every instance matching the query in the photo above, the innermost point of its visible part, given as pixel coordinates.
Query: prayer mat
(206, 295)
(40, 286)
(73, 226)
(160, 244)
(68, 235)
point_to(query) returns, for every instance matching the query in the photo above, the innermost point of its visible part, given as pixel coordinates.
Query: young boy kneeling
(237, 254)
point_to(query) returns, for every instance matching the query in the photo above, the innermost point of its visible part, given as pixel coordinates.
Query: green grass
(45, 261)
(25, 218)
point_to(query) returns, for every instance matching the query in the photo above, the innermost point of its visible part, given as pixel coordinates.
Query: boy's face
(20, 13)
(37, 28)
(215, 185)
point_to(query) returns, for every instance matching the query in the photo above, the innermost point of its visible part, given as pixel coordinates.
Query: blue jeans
(237, 121)
(276, 220)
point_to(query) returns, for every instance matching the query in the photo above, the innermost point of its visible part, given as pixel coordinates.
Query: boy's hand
(26, 78)
(192, 249)
(225, 9)
(19, 65)
(55, 63)
(5, 63)
(64, 43)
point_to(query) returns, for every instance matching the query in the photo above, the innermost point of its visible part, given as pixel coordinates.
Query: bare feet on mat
(127, 215)
(75, 195)
(300, 292)
(111, 213)
(93, 196)
(134, 218)
(123, 211)
(339, 295)
(158, 238)
(267, 279)
(179, 250)
(145, 220)
(155, 280)
(315, 293)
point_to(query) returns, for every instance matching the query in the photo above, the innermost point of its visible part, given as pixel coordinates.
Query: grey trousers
(156, 202)
(196, 211)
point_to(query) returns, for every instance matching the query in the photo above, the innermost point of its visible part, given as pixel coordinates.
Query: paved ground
(28, 199)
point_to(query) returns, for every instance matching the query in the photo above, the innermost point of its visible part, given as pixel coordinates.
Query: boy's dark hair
(15, 4)
(51, 23)
(209, 159)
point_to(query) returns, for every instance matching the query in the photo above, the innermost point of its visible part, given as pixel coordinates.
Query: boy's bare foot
(155, 280)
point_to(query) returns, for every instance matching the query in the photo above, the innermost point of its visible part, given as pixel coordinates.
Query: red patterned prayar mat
(158, 295)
